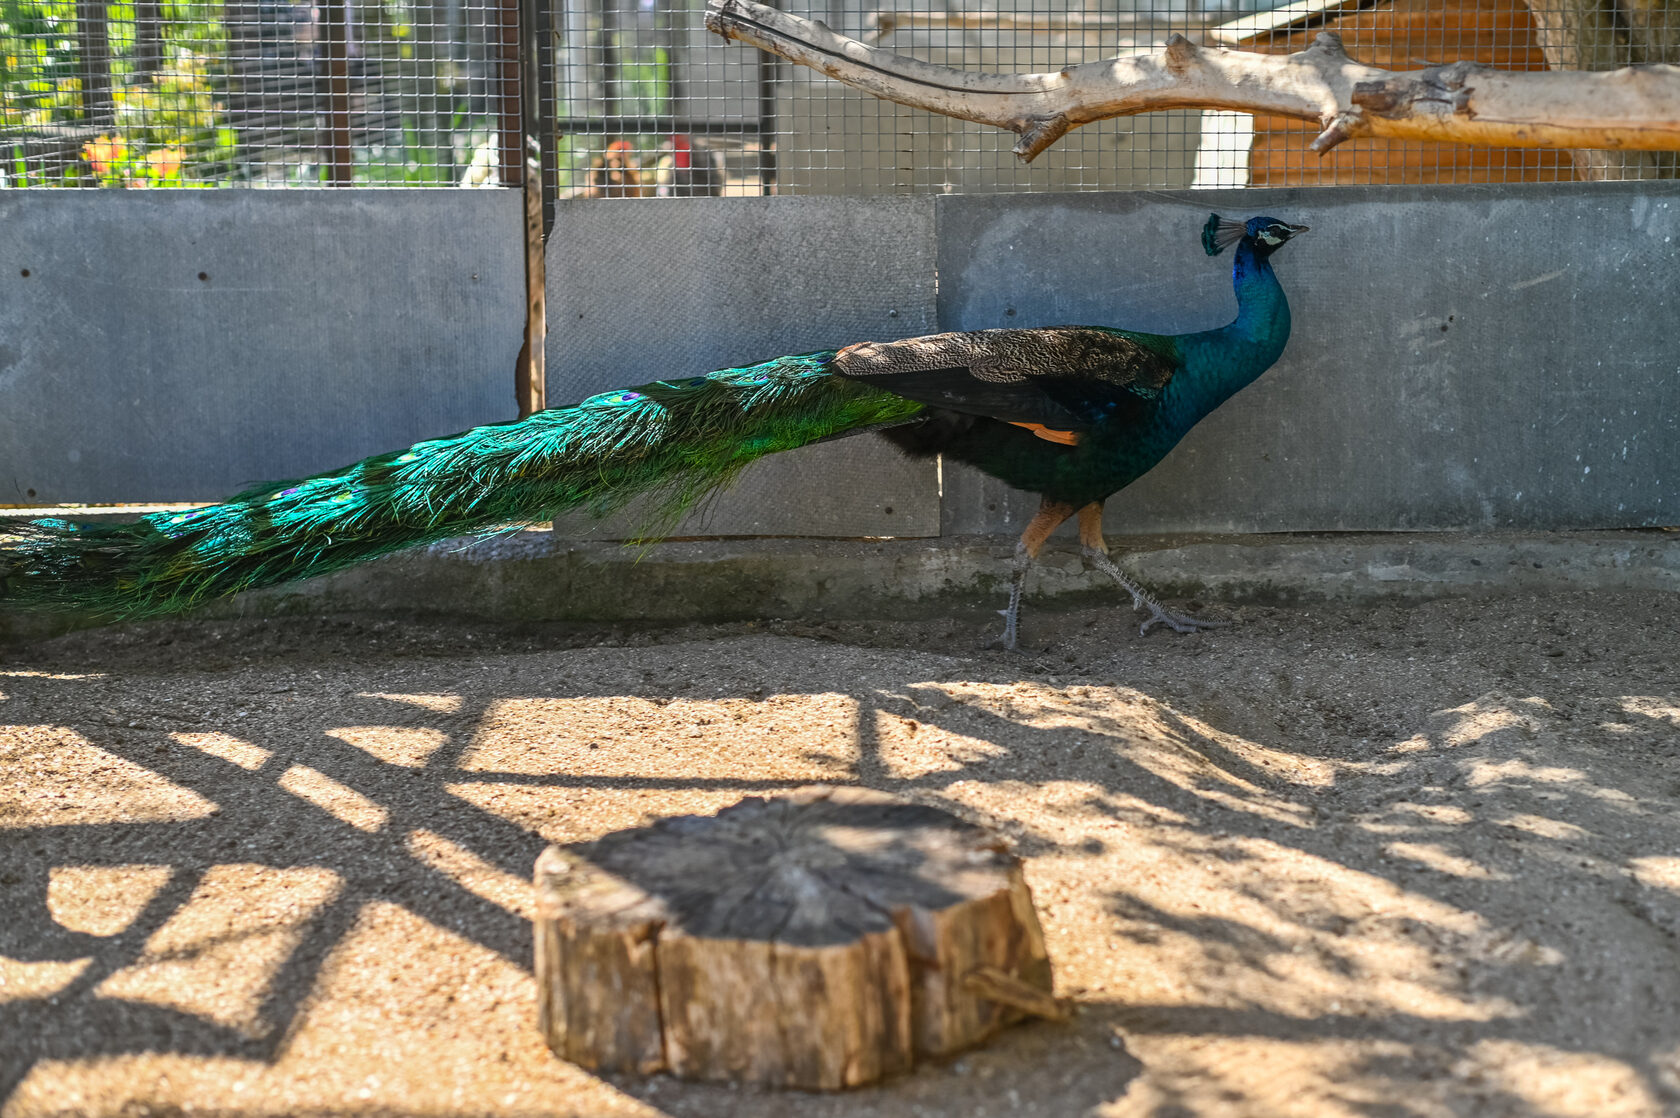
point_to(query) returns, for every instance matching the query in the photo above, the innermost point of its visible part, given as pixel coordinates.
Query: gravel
(1398, 859)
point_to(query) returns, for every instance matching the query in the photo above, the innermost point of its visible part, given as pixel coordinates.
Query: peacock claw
(1177, 622)
(1158, 614)
(1008, 639)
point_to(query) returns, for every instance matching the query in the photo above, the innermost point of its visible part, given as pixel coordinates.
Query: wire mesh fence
(643, 101)
(260, 92)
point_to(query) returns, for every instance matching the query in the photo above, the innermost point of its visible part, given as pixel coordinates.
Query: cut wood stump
(824, 939)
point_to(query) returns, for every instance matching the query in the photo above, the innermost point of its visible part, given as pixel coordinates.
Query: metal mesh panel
(646, 102)
(626, 128)
(260, 92)
(1400, 35)
(824, 138)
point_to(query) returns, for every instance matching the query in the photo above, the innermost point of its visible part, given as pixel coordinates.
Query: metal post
(93, 43)
(611, 90)
(335, 21)
(510, 102)
(547, 98)
(529, 376)
(767, 119)
(148, 38)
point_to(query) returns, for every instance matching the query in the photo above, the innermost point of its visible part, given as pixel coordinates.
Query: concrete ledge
(532, 576)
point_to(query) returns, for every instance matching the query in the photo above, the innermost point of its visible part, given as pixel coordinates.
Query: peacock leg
(1049, 518)
(1096, 551)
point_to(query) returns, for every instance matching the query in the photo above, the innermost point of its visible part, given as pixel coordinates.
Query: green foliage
(167, 127)
(40, 81)
(168, 122)
(415, 163)
(644, 80)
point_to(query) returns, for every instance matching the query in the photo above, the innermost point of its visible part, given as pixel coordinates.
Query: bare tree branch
(1635, 108)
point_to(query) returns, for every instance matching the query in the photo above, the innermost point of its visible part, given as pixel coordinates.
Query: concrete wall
(327, 326)
(1463, 357)
(654, 288)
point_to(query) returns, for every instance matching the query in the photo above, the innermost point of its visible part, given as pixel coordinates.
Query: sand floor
(1389, 861)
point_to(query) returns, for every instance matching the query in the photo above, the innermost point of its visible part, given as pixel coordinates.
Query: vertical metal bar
(611, 86)
(529, 385)
(665, 33)
(148, 38)
(767, 119)
(93, 43)
(510, 98)
(335, 21)
(546, 99)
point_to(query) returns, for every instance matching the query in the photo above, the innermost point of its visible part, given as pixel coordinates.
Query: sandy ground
(1332, 861)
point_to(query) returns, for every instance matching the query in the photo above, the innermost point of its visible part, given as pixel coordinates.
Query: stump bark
(824, 939)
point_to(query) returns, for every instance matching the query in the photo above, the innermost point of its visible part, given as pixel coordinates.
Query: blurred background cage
(141, 93)
(642, 101)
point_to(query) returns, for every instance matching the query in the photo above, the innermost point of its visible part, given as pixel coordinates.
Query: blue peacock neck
(1219, 363)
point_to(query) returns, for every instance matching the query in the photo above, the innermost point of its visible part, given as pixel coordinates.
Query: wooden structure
(824, 939)
(1394, 35)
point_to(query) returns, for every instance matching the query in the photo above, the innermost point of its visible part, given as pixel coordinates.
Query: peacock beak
(1297, 230)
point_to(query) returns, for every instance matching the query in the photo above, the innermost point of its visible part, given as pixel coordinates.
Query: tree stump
(824, 939)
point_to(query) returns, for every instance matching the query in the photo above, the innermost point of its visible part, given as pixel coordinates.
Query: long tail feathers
(675, 441)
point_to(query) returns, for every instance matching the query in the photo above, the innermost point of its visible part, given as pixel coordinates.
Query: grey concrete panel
(1462, 357)
(328, 325)
(640, 290)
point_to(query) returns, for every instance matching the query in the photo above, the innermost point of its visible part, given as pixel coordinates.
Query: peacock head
(1265, 234)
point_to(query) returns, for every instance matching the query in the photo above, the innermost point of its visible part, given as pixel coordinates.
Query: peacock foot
(1009, 639)
(1177, 622)
(1012, 614)
(1142, 599)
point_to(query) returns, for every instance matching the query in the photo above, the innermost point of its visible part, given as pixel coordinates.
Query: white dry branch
(1635, 108)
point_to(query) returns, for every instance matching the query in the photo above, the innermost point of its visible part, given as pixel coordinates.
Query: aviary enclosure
(1398, 840)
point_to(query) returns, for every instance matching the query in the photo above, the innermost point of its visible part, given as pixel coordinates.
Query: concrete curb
(532, 576)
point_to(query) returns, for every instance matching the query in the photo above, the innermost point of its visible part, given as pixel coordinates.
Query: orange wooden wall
(1408, 35)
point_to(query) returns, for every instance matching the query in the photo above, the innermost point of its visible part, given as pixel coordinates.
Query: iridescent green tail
(674, 440)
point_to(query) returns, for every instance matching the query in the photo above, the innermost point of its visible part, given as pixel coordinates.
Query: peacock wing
(1062, 377)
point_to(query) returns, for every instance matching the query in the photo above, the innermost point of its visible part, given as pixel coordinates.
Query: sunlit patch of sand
(33, 980)
(338, 800)
(438, 1025)
(1557, 1082)
(1657, 872)
(408, 746)
(230, 749)
(578, 813)
(215, 957)
(629, 736)
(88, 785)
(442, 704)
(102, 900)
(470, 871)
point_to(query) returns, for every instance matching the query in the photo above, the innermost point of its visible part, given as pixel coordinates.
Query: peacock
(1073, 413)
